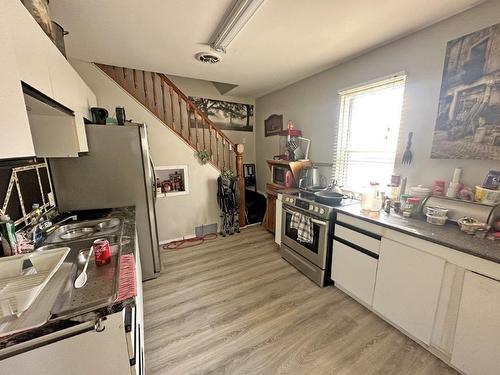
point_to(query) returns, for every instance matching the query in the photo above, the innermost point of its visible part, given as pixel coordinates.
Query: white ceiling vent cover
(207, 57)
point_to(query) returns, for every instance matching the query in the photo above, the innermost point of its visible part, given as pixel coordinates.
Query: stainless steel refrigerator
(117, 171)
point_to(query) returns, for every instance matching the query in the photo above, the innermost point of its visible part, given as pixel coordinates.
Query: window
(367, 133)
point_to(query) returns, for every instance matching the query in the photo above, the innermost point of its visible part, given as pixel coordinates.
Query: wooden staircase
(172, 107)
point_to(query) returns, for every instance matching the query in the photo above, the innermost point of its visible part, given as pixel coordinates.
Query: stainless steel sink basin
(84, 230)
(77, 233)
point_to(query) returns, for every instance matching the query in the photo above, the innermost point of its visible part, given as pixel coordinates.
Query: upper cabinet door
(30, 47)
(477, 340)
(14, 128)
(407, 288)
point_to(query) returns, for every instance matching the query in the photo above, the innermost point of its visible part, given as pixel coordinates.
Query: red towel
(127, 287)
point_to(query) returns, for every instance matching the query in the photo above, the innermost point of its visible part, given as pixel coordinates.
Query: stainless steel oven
(316, 251)
(312, 259)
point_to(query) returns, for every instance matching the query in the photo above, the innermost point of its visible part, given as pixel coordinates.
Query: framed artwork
(273, 125)
(226, 115)
(468, 118)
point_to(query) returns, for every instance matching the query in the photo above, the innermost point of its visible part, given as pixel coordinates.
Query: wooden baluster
(146, 96)
(180, 115)
(164, 102)
(188, 109)
(238, 150)
(172, 106)
(155, 99)
(229, 154)
(203, 132)
(134, 75)
(223, 154)
(125, 83)
(210, 142)
(217, 148)
(195, 113)
(113, 72)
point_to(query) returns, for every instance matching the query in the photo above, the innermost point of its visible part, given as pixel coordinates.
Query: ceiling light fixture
(234, 20)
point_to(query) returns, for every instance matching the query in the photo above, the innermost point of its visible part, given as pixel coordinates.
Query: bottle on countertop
(8, 235)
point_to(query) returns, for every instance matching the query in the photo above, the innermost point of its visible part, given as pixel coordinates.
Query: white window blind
(367, 132)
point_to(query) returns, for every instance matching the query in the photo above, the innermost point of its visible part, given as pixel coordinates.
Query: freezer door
(150, 183)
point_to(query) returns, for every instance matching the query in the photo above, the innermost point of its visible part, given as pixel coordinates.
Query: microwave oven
(283, 176)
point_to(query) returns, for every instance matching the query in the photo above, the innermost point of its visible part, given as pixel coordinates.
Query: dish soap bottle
(8, 235)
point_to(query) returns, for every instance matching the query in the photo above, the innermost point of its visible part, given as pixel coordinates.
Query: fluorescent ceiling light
(234, 20)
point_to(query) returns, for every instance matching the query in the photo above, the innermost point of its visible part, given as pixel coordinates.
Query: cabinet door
(477, 340)
(271, 212)
(354, 271)
(15, 132)
(407, 288)
(86, 353)
(30, 44)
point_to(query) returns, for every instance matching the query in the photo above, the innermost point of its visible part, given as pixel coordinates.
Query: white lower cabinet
(477, 339)
(407, 288)
(91, 352)
(354, 271)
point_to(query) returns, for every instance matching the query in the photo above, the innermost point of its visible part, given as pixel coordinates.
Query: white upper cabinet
(30, 48)
(407, 288)
(477, 339)
(15, 138)
(32, 58)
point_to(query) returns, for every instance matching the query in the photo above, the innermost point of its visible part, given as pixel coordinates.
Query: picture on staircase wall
(226, 115)
(468, 118)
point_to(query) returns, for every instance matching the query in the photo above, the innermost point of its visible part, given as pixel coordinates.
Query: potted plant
(204, 156)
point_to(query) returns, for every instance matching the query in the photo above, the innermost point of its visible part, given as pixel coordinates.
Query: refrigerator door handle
(154, 178)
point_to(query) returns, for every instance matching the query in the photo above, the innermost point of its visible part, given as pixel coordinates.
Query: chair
(249, 176)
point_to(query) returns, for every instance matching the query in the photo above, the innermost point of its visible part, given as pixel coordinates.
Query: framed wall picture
(273, 125)
(468, 118)
(226, 115)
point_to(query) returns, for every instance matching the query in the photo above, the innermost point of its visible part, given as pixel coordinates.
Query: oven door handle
(315, 221)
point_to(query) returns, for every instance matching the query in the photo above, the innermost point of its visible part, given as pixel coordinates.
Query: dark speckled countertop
(127, 246)
(448, 235)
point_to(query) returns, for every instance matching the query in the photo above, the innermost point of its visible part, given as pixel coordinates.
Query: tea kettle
(311, 177)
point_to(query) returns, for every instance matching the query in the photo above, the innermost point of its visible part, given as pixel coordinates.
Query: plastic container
(419, 191)
(371, 198)
(437, 211)
(411, 206)
(438, 188)
(436, 220)
(487, 196)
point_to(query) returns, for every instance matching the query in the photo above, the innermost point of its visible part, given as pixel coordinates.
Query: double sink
(102, 283)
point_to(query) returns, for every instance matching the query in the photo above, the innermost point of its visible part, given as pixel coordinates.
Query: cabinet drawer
(354, 271)
(370, 243)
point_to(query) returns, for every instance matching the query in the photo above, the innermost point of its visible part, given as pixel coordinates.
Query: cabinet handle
(356, 247)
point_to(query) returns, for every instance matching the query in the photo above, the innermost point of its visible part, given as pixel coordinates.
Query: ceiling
(285, 41)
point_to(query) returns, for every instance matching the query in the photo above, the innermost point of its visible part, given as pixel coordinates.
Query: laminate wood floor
(233, 306)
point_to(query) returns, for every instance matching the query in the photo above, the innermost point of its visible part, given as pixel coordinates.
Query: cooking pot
(330, 198)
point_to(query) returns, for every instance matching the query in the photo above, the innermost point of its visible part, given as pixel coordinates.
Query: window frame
(340, 160)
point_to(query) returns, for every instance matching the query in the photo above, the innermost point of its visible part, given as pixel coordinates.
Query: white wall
(313, 102)
(205, 89)
(176, 216)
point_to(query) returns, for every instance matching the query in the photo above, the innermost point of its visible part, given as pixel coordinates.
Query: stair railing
(174, 109)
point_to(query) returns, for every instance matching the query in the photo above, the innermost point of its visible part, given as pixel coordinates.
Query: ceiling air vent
(207, 57)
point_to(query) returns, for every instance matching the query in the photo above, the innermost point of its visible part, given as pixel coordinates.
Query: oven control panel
(306, 205)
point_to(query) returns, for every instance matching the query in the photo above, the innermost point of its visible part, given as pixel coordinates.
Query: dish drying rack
(20, 285)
